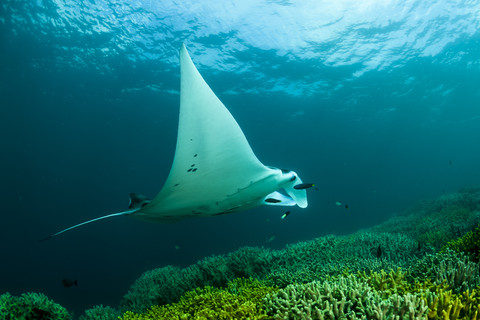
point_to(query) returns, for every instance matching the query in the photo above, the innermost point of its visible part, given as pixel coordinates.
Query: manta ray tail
(124, 213)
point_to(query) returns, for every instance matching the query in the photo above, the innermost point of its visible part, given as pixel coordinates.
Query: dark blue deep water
(377, 102)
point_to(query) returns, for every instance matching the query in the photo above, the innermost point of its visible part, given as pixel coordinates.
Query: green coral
(387, 283)
(31, 306)
(451, 267)
(166, 285)
(240, 300)
(435, 222)
(345, 297)
(384, 295)
(101, 313)
(469, 244)
(330, 255)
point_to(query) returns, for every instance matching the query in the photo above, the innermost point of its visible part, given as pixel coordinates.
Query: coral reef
(376, 296)
(31, 306)
(101, 313)
(345, 297)
(435, 222)
(453, 268)
(168, 284)
(469, 244)
(420, 265)
(242, 299)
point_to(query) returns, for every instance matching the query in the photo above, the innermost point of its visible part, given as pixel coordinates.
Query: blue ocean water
(377, 102)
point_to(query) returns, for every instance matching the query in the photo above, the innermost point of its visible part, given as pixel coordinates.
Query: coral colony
(428, 269)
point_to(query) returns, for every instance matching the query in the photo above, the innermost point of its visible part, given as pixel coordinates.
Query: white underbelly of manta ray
(214, 170)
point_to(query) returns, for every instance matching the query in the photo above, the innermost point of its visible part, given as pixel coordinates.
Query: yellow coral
(468, 243)
(387, 283)
(241, 300)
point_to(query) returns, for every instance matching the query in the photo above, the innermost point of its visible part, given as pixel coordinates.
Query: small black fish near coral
(379, 251)
(302, 186)
(68, 283)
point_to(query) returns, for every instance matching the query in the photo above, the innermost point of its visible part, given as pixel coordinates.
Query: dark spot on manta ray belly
(189, 170)
(271, 200)
(195, 155)
(194, 170)
(176, 185)
(193, 165)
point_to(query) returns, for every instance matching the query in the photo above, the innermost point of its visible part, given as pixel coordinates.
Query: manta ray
(214, 169)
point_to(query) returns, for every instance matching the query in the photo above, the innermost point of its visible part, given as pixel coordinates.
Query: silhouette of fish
(379, 251)
(68, 283)
(302, 186)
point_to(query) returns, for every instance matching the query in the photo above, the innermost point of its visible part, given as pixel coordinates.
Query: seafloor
(422, 264)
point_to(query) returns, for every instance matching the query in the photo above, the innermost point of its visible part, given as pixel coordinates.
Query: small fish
(285, 214)
(68, 283)
(338, 203)
(177, 247)
(271, 238)
(346, 206)
(302, 186)
(379, 251)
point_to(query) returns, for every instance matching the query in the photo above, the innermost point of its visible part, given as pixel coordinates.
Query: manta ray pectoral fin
(278, 199)
(124, 213)
(299, 195)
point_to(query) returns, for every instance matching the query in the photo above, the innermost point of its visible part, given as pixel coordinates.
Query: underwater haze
(376, 102)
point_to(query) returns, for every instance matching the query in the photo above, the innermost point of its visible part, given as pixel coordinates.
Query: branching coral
(101, 313)
(345, 297)
(31, 306)
(241, 300)
(387, 283)
(469, 244)
(435, 222)
(453, 268)
(168, 284)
